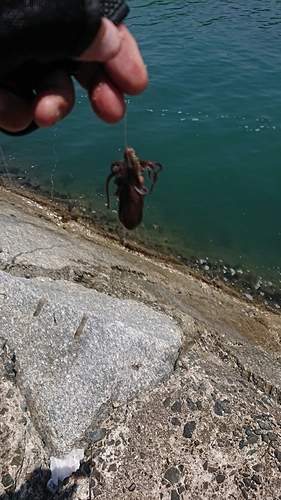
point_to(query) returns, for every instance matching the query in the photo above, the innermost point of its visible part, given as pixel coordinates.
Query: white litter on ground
(60, 469)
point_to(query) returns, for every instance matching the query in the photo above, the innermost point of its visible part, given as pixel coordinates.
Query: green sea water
(212, 116)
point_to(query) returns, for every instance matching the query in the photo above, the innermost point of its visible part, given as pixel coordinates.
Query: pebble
(244, 493)
(10, 393)
(17, 460)
(277, 454)
(243, 383)
(247, 482)
(265, 438)
(190, 404)
(112, 468)
(256, 479)
(251, 452)
(132, 487)
(109, 443)
(167, 402)
(242, 444)
(220, 478)
(7, 481)
(199, 405)
(9, 367)
(257, 432)
(251, 437)
(175, 421)
(176, 407)
(23, 404)
(264, 425)
(172, 475)
(175, 495)
(189, 429)
(96, 492)
(97, 435)
(222, 406)
(272, 436)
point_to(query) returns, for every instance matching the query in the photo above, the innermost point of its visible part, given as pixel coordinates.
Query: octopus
(128, 177)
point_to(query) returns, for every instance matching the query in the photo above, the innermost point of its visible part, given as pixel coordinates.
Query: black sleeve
(49, 30)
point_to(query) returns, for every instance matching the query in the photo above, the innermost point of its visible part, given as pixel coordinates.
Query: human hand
(111, 66)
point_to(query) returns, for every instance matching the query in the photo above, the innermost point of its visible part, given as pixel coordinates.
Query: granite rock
(78, 353)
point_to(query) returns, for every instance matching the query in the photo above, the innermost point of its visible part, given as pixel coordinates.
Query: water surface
(211, 115)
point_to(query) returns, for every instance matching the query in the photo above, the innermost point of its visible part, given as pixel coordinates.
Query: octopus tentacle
(142, 191)
(113, 174)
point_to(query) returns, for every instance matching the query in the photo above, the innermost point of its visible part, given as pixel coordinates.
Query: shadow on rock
(35, 487)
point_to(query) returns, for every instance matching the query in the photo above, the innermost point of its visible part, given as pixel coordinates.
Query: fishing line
(56, 163)
(125, 130)
(6, 166)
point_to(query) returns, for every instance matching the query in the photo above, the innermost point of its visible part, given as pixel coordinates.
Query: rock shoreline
(236, 278)
(185, 404)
